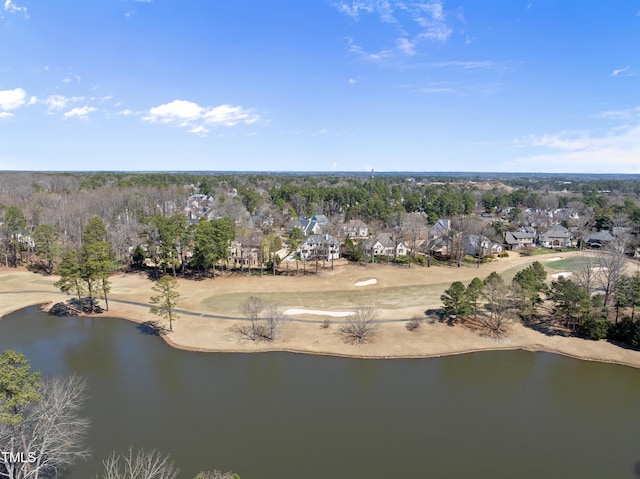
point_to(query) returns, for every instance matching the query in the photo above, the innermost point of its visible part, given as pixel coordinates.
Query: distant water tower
(372, 173)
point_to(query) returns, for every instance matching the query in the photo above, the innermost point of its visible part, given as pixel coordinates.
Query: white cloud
(619, 71)
(11, 7)
(320, 132)
(12, 99)
(56, 103)
(82, 113)
(199, 119)
(353, 10)
(200, 130)
(405, 46)
(616, 149)
(126, 112)
(468, 65)
(6, 114)
(352, 81)
(429, 21)
(372, 57)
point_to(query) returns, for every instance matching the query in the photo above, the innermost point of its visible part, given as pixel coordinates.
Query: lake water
(284, 416)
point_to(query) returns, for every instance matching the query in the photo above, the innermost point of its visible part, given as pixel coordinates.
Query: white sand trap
(564, 274)
(557, 258)
(599, 268)
(334, 314)
(366, 283)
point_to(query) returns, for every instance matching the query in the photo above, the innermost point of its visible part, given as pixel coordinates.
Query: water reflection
(488, 415)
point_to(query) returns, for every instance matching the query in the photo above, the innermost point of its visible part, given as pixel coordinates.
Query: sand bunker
(564, 274)
(557, 258)
(366, 283)
(334, 314)
(599, 268)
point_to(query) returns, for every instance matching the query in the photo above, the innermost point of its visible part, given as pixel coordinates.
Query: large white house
(384, 244)
(319, 246)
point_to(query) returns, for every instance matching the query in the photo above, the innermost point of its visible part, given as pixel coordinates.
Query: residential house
(556, 237)
(599, 240)
(354, 229)
(440, 247)
(308, 227)
(322, 220)
(441, 228)
(519, 239)
(480, 245)
(384, 244)
(246, 252)
(322, 246)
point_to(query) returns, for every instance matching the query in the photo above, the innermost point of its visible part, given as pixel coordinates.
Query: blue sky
(320, 85)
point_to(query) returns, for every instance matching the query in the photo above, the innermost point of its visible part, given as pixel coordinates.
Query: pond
(279, 415)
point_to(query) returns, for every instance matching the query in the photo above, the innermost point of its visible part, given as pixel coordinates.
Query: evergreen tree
(165, 302)
(456, 301)
(18, 386)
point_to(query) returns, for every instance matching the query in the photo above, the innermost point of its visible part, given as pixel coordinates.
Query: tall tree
(19, 387)
(528, 284)
(46, 238)
(96, 260)
(167, 299)
(51, 435)
(571, 302)
(455, 301)
(70, 273)
(14, 224)
(473, 292)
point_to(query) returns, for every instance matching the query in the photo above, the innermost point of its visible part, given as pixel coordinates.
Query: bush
(594, 328)
(412, 325)
(626, 331)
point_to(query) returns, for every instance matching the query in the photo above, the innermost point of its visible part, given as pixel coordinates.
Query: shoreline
(198, 333)
(267, 348)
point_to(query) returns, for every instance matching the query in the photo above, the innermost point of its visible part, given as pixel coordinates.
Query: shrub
(412, 325)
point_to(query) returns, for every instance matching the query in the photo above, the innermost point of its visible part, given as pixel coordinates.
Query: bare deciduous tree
(359, 328)
(139, 465)
(612, 260)
(586, 275)
(51, 435)
(263, 321)
(498, 296)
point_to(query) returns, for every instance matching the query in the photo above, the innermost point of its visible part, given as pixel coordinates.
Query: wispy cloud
(428, 22)
(619, 71)
(469, 65)
(126, 112)
(57, 103)
(614, 149)
(11, 7)
(12, 99)
(198, 119)
(6, 114)
(81, 113)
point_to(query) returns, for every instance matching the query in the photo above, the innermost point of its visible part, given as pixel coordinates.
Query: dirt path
(398, 293)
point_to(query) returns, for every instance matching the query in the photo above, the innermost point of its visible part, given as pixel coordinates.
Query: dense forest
(59, 205)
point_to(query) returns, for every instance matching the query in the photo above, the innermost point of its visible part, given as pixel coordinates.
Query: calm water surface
(284, 416)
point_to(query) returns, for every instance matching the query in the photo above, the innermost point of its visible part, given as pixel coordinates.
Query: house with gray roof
(519, 239)
(319, 246)
(599, 239)
(556, 237)
(384, 244)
